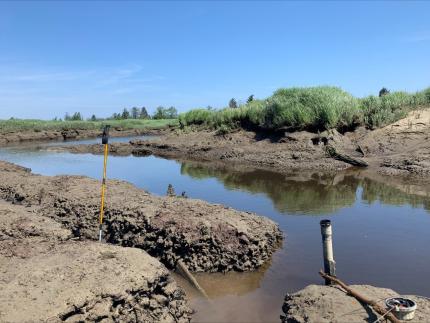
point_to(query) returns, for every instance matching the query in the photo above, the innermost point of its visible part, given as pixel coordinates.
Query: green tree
(143, 113)
(160, 113)
(171, 113)
(232, 104)
(76, 117)
(115, 116)
(125, 114)
(165, 113)
(134, 112)
(250, 98)
(67, 117)
(383, 91)
(93, 118)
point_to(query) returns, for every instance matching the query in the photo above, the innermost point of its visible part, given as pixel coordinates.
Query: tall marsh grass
(14, 125)
(312, 108)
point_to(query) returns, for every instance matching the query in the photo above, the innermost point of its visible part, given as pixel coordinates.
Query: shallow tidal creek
(381, 232)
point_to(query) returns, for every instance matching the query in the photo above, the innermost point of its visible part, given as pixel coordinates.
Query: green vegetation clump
(15, 125)
(315, 108)
(311, 108)
(388, 108)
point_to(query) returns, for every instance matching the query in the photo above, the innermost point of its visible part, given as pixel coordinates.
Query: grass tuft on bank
(310, 108)
(15, 125)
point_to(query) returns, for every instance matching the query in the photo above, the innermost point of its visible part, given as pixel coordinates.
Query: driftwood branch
(379, 309)
(183, 270)
(331, 151)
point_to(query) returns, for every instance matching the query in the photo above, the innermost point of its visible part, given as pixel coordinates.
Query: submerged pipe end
(325, 223)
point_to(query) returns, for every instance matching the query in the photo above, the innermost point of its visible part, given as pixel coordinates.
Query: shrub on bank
(312, 108)
(386, 109)
(195, 117)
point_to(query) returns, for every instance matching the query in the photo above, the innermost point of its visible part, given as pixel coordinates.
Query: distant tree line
(133, 113)
(232, 104)
(74, 117)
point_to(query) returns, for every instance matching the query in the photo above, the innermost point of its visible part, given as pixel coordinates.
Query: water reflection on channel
(381, 225)
(310, 193)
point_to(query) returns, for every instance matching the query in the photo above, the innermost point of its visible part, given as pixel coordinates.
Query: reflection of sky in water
(375, 242)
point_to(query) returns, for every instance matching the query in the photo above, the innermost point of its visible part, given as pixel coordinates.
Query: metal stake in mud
(329, 263)
(105, 142)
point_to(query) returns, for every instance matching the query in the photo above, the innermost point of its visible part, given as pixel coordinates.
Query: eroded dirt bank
(46, 276)
(205, 236)
(71, 134)
(331, 304)
(401, 148)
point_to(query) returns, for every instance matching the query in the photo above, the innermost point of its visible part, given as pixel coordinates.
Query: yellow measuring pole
(105, 140)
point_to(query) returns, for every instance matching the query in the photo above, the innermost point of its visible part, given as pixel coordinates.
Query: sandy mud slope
(205, 236)
(45, 276)
(332, 304)
(401, 148)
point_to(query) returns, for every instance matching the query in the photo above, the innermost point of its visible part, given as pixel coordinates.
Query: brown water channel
(381, 228)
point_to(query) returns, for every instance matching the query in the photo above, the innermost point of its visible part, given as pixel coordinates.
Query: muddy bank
(71, 134)
(46, 276)
(400, 149)
(207, 237)
(237, 148)
(331, 304)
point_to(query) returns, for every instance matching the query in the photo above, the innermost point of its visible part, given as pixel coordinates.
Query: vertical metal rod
(329, 263)
(102, 207)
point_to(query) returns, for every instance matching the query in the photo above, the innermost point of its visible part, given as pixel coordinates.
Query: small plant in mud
(170, 190)
(223, 130)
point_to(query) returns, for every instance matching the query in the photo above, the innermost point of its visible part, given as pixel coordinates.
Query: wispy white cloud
(9, 73)
(55, 90)
(47, 77)
(418, 37)
(117, 75)
(114, 79)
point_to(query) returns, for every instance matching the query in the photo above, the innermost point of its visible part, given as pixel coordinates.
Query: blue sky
(99, 57)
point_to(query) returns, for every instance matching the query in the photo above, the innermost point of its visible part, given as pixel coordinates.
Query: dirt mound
(48, 277)
(206, 237)
(332, 304)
